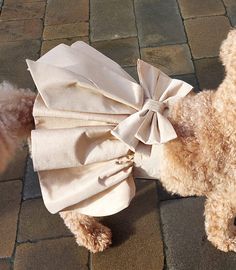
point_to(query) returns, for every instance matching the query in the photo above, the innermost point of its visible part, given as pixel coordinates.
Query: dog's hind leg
(87, 230)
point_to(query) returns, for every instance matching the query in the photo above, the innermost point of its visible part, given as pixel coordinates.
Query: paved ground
(182, 38)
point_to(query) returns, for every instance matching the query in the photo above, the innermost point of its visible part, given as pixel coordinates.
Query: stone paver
(132, 72)
(13, 66)
(123, 51)
(210, 72)
(49, 44)
(206, 42)
(37, 223)
(199, 8)
(20, 29)
(16, 168)
(31, 188)
(65, 30)
(5, 265)
(18, 11)
(66, 11)
(186, 246)
(136, 244)
(10, 204)
(189, 78)
(63, 254)
(159, 23)
(231, 10)
(172, 59)
(106, 24)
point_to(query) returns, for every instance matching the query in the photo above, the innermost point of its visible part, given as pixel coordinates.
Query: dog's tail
(16, 120)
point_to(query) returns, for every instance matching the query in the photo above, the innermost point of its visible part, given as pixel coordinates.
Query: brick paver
(124, 51)
(37, 223)
(20, 30)
(10, 204)
(5, 265)
(66, 11)
(107, 24)
(159, 22)
(182, 37)
(19, 11)
(63, 254)
(199, 8)
(231, 10)
(185, 242)
(206, 43)
(172, 59)
(210, 72)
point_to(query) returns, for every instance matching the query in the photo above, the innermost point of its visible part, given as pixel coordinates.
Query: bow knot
(154, 106)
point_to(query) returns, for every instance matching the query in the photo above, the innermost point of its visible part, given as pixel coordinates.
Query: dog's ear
(228, 53)
(16, 119)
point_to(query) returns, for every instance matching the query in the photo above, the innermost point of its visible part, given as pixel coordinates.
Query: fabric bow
(89, 114)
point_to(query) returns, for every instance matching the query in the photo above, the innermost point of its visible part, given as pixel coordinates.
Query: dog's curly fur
(201, 161)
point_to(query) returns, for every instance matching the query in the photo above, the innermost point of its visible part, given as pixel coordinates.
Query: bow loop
(150, 125)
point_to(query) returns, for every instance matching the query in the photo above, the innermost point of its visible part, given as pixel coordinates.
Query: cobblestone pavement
(157, 231)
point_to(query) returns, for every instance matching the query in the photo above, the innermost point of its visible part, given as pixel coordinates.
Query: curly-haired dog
(201, 161)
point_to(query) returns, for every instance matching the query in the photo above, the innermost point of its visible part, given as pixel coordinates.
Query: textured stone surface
(186, 246)
(31, 182)
(37, 223)
(10, 203)
(65, 30)
(20, 30)
(159, 22)
(189, 78)
(173, 59)
(132, 72)
(231, 10)
(49, 44)
(19, 11)
(210, 73)
(63, 254)
(66, 11)
(123, 51)
(107, 24)
(5, 265)
(12, 58)
(206, 43)
(137, 243)
(16, 168)
(192, 8)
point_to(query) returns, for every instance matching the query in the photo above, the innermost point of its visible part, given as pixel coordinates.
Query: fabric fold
(97, 128)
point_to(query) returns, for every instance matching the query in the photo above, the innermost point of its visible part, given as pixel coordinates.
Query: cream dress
(97, 128)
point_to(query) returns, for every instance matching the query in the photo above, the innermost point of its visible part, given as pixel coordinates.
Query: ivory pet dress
(96, 128)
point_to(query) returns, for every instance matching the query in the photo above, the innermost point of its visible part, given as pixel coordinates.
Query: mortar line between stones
(226, 12)
(136, 26)
(29, 241)
(160, 225)
(89, 23)
(192, 59)
(43, 19)
(206, 16)
(12, 259)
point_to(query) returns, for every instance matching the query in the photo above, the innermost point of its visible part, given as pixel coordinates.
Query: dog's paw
(95, 237)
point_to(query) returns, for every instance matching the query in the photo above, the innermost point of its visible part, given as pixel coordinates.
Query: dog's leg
(87, 230)
(220, 210)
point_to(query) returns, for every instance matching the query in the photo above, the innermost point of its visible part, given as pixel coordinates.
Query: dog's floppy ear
(228, 53)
